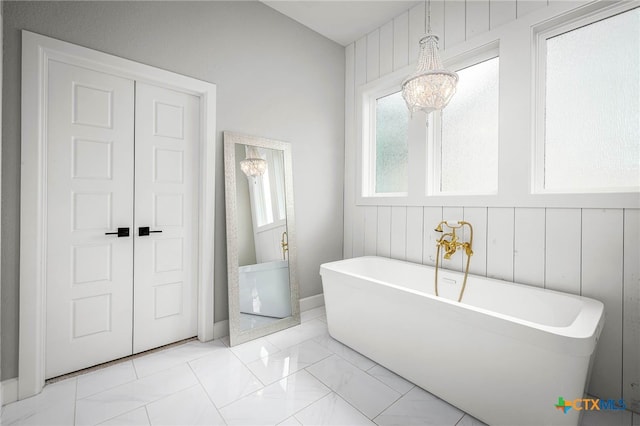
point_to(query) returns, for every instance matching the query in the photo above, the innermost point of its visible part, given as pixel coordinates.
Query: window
(454, 152)
(390, 156)
(466, 141)
(545, 115)
(267, 191)
(588, 126)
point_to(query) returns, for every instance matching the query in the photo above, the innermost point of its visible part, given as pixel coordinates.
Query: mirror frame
(236, 334)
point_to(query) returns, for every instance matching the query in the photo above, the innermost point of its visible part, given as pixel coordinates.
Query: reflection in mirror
(263, 292)
(262, 247)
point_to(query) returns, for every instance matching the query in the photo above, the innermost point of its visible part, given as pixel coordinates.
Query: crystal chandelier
(431, 87)
(253, 165)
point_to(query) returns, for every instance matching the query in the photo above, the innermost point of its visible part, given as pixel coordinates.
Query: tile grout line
(75, 401)
(400, 395)
(331, 391)
(122, 414)
(109, 388)
(205, 392)
(151, 401)
(146, 411)
(245, 395)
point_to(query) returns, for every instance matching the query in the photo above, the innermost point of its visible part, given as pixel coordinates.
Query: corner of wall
(2, 395)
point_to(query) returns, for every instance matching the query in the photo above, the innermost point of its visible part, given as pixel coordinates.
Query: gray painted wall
(1, 66)
(275, 78)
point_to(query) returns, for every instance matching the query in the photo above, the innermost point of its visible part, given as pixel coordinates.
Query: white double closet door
(120, 154)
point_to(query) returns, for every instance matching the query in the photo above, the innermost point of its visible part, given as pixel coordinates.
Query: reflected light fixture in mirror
(261, 238)
(253, 165)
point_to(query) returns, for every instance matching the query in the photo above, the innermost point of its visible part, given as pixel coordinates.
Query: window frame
(541, 35)
(369, 145)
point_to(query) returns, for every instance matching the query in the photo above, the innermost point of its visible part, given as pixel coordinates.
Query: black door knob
(143, 231)
(122, 232)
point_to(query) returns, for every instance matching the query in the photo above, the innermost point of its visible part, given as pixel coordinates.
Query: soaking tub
(264, 289)
(504, 354)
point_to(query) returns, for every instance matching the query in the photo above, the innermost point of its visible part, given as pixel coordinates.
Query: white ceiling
(341, 21)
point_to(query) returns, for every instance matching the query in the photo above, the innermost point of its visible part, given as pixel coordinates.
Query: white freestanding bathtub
(264, 289)
(504, 354)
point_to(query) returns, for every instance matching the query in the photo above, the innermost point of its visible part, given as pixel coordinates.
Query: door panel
(166, 199)
(89, 282)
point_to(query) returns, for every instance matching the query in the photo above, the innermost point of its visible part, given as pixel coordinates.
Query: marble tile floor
(299, 376)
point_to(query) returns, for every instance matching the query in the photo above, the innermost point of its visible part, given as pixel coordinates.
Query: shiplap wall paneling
(602, 264)
(454, 23)
(431, 217)
(416, 30)
(501, 12)
(477, 217)
(384, 232)
(349, 154)
(563, 250)
(527, 6)
(357, 229)
(529, 240)
(437, 21)
(399, 232)
(373, 55)
(360, 64)
(477, 17)
(401, 41)
(500, 221)
(631, 309)
(386, 48)
(415, 234)
(453, 215)
(370, 230)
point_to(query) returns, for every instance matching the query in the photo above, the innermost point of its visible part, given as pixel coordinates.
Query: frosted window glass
(592, 117)
(469, 140)
(392, 120)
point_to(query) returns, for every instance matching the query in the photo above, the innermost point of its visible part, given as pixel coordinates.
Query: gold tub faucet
(284, 243)
(450, 243)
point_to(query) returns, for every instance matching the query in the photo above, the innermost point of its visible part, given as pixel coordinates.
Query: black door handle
(143, 231)
(122, 232)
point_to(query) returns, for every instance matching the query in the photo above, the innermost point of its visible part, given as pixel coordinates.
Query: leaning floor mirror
(261, 237)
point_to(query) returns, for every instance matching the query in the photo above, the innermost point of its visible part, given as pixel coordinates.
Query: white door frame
(37, 51)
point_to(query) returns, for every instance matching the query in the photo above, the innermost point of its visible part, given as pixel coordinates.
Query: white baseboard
(311, 302)
(9, 391)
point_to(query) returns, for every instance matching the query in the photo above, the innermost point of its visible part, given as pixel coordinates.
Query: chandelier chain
(427, 16)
